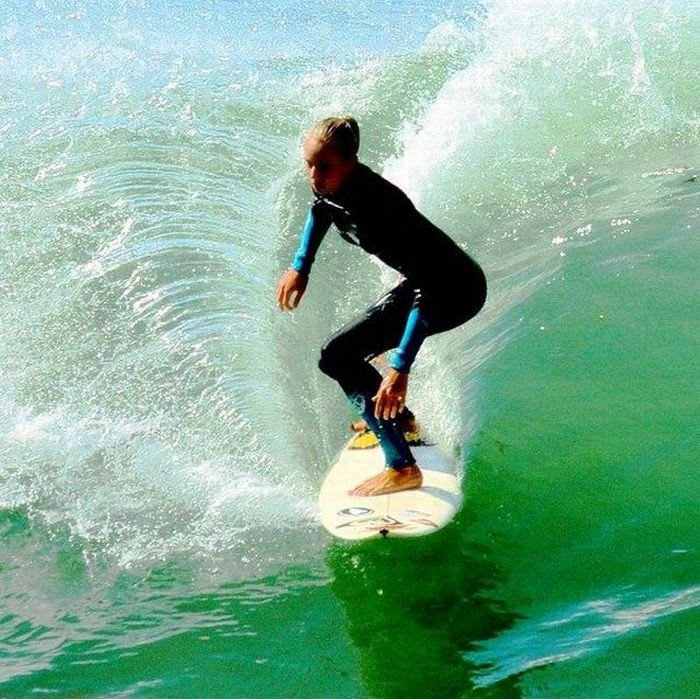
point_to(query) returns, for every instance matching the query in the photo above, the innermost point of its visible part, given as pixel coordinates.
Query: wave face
(152, 194)
(154, 404)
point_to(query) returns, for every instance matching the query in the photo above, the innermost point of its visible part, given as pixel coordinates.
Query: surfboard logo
(355, 511)
(385, 523)
(374, 523)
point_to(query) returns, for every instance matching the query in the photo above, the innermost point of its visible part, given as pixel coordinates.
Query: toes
(359, 491)
(364, 489)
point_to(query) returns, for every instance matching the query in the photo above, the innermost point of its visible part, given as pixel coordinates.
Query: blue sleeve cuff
(412, 339)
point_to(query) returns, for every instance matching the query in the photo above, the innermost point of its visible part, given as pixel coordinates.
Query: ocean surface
(164, 429)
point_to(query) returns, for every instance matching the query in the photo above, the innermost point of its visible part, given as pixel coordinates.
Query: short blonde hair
(341, 132)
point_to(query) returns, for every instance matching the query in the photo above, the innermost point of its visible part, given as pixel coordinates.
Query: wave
(573, 633)
(154, 398)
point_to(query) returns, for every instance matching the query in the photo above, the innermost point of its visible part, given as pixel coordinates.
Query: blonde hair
(341, 132)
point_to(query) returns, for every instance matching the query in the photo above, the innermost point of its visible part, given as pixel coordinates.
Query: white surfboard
(407, 513)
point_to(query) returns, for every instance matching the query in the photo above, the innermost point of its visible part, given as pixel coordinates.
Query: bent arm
(413, 336)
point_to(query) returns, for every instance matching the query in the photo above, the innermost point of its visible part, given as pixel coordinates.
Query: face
(326, 168)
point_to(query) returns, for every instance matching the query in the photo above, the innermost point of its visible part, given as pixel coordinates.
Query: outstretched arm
(293, 283)
(316, 226)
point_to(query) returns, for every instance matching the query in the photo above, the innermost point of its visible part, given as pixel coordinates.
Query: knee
(330, 360)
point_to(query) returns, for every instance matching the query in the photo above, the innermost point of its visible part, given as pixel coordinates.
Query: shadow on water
(414, 607)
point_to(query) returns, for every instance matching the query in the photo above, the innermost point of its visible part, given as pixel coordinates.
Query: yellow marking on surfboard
(412, 437)
(367, 439)
(364, 440)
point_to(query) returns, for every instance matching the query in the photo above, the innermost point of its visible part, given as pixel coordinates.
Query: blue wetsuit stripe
(412, 339)
(311, 237)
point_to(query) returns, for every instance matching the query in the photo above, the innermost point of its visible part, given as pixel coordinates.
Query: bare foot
(390, 480)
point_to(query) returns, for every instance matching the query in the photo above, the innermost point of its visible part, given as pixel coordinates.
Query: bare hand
(391, 396)
(290, 289)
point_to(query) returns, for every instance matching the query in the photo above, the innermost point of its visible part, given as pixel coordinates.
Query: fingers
(280, 296)
(289, 294)
(289, 300)
(379, 403)
(388, 405)
(397, 407)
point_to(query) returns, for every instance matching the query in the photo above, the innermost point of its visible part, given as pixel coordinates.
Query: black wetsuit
(442, 288)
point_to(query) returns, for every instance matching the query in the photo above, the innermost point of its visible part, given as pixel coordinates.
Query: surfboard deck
(407, 513)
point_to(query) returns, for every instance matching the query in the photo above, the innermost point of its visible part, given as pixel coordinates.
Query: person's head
(330, 153)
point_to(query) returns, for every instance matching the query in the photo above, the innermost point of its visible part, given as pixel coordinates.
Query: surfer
(442, 287)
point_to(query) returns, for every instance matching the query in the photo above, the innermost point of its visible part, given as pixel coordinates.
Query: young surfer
(442, 287)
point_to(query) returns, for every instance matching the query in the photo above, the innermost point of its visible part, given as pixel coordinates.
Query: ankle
(409, 469)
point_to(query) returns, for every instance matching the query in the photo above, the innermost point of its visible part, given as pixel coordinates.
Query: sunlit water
(164, 429)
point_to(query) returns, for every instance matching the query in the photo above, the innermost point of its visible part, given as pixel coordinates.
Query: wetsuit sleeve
(316, 226)
(412, 339)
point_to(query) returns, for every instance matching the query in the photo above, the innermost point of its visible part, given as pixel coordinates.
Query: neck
(347, 181)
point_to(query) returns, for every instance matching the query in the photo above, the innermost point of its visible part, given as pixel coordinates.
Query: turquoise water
(164, 429)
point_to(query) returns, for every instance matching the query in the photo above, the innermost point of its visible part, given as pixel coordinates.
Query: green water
(164, 431)
(571, 570)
